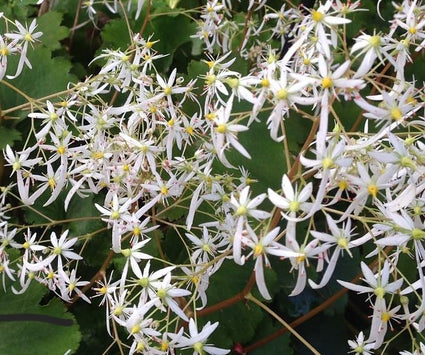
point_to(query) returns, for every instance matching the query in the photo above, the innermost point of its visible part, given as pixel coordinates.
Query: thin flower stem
(251, 298)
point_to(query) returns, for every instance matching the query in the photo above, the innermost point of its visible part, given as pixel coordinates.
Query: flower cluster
(169, 144)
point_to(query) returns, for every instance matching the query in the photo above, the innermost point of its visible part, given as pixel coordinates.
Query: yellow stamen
(375, 41)
(258, 250)
(265, 83)
(222, 128)
(372, 189)
(167, 90)
(379, 292)
(396, 114)
(61, 150)
(317, 16)
(327, 83)
(282, 94)
(294, 206)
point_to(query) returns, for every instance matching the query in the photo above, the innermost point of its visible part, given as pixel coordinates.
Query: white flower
(197, 340)
(225, 133)
(166, 292)
(294, 201)
(361, 346)
(25, 35)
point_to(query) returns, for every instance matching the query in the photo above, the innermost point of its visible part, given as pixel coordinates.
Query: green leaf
(35, 337)
(115, 35)
(53, 32)
(8, 136)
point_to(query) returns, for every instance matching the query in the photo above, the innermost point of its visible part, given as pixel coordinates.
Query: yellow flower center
(144, 282)
(210, 116)
(16, 165)
(189, 130)
(233, 82)
(386, 316)
(396, 114)
(342, 243)
(149, 45)
(343, 184)
(210, 63)
(412, 30)
(379, 292)
(52, 183)
(317, 16)
(135, 329)
(282, 94)
(164, 190)
(161, 293)
(126, 252)
(115, 215)
(210, 79)
(327, 163)
(258, 250)
(301, 258)
(372, 189)
(97, 155)
(164, 346)
(294, 206)
(241, 211)
(327, 83)
(28, 37)
(375, 41)
(265, 83)
(4, 51)
(222, 128)
(118, 310)
(167, 90)
(418, 234)
(407, 163)
(61, 150)
(198, 347)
